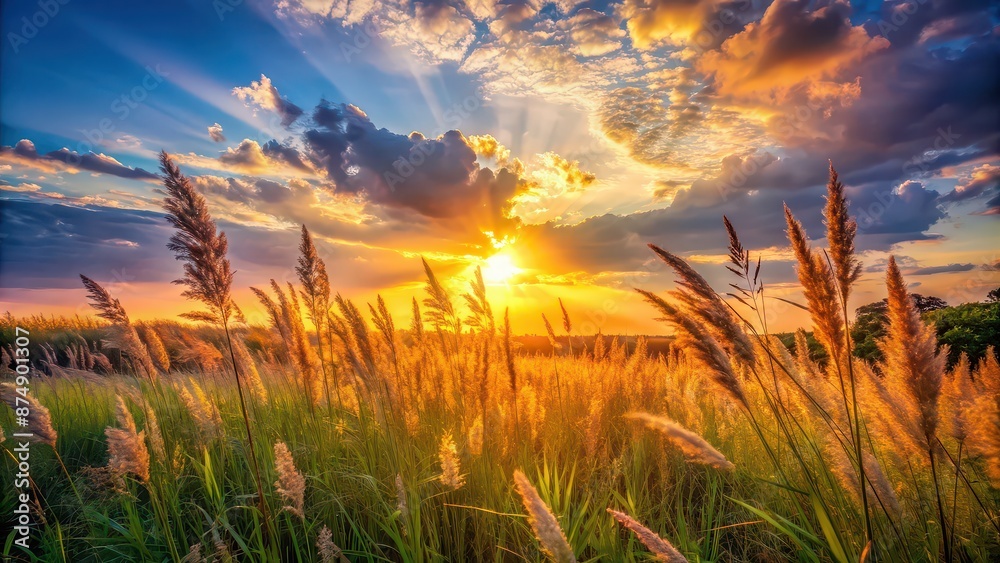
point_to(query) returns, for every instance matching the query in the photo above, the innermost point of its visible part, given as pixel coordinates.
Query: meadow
(341, 433)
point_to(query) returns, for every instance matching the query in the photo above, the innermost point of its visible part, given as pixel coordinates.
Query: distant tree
(968, 328)
(869, 324)
(993, 296)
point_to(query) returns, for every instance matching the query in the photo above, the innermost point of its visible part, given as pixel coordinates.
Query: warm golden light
(500, 268)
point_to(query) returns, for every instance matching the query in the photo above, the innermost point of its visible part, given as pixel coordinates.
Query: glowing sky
(547, 142)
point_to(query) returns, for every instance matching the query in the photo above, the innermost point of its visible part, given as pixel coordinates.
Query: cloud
(593, 33)
(24, 153)
(889, 216)
(566, 175)
(945, 269)
(437, 178)
(97, 241)
(982, 182)
(654, 22)
(791, 46)
(250, 157)
(22, 187)
(437, 31)
(215, 133)
(264, 95)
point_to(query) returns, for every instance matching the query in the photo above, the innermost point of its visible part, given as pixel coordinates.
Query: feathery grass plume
(417, 322)
(551, 334)
(567, 325)
(451, 469)
(39, 419)
(985, 441)
(249, 368)
(208, 276)
(958, 396)
(475, 437)
(479, 306)
(354, 332)
(543, 522)
(126, 446)
(818, 287)
(700, 301)
(194, 555)
(693, 446)
(222, 553)
(293, 332)
(155, 436)
(291, 485)
(401, 505)
(387, 328)
(440, 311)
(840, 232)
(803, 361)
(987, 376)
(207, 272)
(316, 293)
(158, 353)
(702, 346)
(508, 351)
(844, 469)
(508, 354)
(912, 366)
(204, 412)
(661, 549)
(112, 310)
(328, 551)
(914, 370)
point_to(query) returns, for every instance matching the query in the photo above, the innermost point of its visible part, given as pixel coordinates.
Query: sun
(500, 268)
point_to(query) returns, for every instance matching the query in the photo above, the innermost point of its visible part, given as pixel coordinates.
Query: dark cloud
(983, 182)
(888, 215)
(905, 22)
(215, 133)
(930, 270)
(263, 94)
(285, 153)
(46, 245)
(437, 178)
(23, 152)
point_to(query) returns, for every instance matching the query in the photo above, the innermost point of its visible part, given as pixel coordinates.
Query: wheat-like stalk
(543, 522)
(328, 551)
(451, 468)
(208, 276)
(912, 367)
(291, 485)
(111, 309)
(127, 446)
(440, 310)
(703, 347)
(819, 289)
(479, 306)
(661, 549)
(840, 232)
(699, 301)
(693, 446)
(39, 419)
(316, 293)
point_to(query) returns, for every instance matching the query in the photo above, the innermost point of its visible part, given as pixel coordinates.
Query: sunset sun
(500, 268)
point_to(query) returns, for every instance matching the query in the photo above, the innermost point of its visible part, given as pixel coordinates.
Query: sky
(546, 142)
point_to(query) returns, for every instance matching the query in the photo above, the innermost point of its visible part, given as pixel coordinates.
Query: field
(337, 435)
